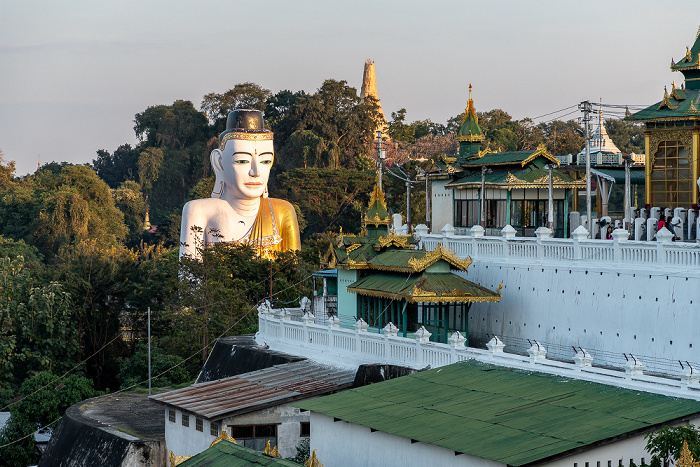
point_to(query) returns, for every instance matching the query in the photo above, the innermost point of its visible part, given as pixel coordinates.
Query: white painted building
(254, 407)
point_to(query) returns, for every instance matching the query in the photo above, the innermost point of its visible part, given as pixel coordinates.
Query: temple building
(515, 186)
(383, 281)
(672, 137)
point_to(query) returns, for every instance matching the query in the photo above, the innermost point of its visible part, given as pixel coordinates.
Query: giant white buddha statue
(239, 209)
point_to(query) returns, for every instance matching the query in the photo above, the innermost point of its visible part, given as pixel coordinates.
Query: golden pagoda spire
(470, 110)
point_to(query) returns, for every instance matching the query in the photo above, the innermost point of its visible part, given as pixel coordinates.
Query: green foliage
(243, 96)
(627, 136)
(117, 167)
(665, 444)
(37, 325)
(303, 451)
(7, 173)
(129, 199)
(328, 198)
(149, 164)
(175, 126)
(134, 370)
(45, 399)
(331, 128)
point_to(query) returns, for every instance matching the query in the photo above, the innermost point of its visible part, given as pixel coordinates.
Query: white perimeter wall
(649, 311)
(343, 444)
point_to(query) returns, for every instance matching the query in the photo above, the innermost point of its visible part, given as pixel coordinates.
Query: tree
(7, 172)
(134, 370)
(627, 136)
(562, 138)
(175, 126)
(129, 199)
(243, 96)
(117, 167)
(328, 198)
(343, 123)
(44, 400)
(665, 444)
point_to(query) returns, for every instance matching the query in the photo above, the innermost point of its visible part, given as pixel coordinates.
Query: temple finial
(470, 90)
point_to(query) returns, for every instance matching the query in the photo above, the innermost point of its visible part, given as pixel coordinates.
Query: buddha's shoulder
(281, 206)
(205, 206)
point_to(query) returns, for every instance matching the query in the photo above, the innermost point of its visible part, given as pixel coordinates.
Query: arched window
(671, 176)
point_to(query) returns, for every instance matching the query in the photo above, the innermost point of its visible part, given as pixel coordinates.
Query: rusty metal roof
(257, 390)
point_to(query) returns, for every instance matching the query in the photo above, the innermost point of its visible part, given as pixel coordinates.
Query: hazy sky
(74, 73)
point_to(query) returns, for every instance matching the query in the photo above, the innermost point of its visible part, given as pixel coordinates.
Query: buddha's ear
(218, 168)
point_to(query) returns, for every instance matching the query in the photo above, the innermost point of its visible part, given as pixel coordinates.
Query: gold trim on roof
(267, 136)
(222, 436)
(377, 195)
(482, 153)
(376, 220)
(176, 460)
(395, 240)
(422, 296)
(657, 137)
(353, 247)
(437, 254)
(543, 182)
(472, 138)
(541, 151)
(272, 452)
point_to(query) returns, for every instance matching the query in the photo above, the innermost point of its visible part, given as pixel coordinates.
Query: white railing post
(507, 233)
(419, 233)
(541, 233)
(633, 367)
(619, 235)
(663, 240)
(389, 331)
(579, 235)
(422, 336)
(457, 340)
(583, 359)
(333, 324)
(476, 233)
(495, 346)
(537, 352)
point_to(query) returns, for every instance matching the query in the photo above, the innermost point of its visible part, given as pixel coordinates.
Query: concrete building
(254, 407)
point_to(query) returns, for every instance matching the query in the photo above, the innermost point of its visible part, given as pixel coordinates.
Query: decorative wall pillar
(495, 345)
(583, 359)
(619, 235)
(663, 239)
(537, 352)
(578, 236)
(633, 367)
(541, 233)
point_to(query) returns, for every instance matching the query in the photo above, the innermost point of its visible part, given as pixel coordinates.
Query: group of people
(663, 222)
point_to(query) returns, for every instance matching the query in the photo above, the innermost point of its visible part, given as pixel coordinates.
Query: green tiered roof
(470, 134)
(514, 169)
(690, 65)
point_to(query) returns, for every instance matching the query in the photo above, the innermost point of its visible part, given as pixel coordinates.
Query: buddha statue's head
(244, 158)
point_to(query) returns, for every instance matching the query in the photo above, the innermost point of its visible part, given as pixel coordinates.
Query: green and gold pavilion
(672, 137)
(515, 185)
(383, 278)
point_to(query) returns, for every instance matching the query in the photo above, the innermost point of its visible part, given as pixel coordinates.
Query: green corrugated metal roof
(228, 454)
(441, 284)
(508, 157)
(397, 258)
(688, 107)
(515, 417)
(498, 176)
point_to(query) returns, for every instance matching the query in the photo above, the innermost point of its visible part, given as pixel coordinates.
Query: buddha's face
(246, 166)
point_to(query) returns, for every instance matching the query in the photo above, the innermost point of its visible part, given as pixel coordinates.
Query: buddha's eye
(241, 161)
(266, 161)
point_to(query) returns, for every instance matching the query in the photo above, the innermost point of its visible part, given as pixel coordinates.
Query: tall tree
(117, 167)
(243, 96)
(175, 126)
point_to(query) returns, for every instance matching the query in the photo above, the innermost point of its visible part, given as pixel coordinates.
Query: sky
(74, 73)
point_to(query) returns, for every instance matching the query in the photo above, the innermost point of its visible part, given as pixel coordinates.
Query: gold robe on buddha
(275, 229)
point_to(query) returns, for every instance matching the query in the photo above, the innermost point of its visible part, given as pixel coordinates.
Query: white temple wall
(381, 449)
(347, 302)
(343, 444)
(649, 312)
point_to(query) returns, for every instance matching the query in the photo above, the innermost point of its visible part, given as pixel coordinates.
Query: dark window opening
(254, 436)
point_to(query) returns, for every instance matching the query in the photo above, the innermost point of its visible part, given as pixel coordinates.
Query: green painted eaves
(228, 454)
(510, 416)
(508, 157)
(688, 107)
(441, 283)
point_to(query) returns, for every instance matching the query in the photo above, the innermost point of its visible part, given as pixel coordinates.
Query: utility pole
(149, 350)
(550, 215)
(585, 107)
(628, 194)
(408, 206)
(482, 195)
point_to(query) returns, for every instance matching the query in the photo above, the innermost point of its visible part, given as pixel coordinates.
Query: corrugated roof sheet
(258, 389)
(637, 176)
(442, 284)
(511, 416)
(687, 107)
(228, 454)
(508, 157)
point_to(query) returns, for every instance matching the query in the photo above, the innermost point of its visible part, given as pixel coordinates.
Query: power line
(555, 112)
